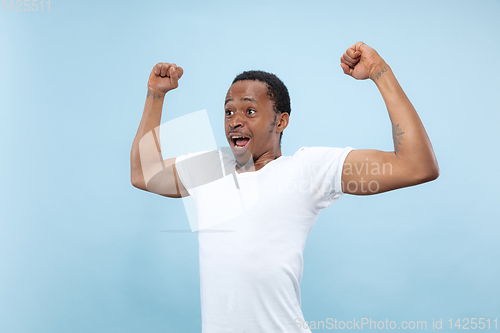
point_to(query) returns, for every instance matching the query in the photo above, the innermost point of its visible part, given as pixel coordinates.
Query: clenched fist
(164, 77)
(362, 62)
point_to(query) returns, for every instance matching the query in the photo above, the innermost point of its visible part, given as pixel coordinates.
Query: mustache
(232, 130)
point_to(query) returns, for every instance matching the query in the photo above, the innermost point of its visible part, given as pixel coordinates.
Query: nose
(236, 121)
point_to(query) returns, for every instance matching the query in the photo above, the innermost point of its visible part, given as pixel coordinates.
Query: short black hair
(277, 91)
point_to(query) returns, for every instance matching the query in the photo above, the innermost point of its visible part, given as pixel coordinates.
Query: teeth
(238, 137)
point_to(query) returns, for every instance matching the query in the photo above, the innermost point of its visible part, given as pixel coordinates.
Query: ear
(283, 119)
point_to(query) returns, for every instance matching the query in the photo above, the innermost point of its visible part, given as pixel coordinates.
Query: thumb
(175, 75)
(359, 46)
(179, 71)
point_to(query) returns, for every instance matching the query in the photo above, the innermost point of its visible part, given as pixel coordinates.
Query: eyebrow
(248, 99)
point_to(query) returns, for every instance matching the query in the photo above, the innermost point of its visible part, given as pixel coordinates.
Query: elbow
(428, 174)
(139, 186)
(134, 182)
(137, 182)
(436, 172)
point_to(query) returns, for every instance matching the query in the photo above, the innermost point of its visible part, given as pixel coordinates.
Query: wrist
(378, 70)
(155, 93)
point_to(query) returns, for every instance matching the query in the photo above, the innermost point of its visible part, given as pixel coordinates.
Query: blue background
(81, 250)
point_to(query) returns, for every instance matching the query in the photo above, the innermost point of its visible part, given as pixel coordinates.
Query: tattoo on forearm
(397, 136)
(153, 94)
(379, 74)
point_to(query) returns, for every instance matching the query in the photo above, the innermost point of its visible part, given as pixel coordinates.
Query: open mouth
(239, 142)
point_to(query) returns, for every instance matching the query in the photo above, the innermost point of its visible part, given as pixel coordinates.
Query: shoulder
(321, 157)
(321, 152)
(199, 154)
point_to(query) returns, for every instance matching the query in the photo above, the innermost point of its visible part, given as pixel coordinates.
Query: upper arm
(370, 171)
(163, 179)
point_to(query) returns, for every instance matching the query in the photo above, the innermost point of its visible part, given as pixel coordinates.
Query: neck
(259, 162)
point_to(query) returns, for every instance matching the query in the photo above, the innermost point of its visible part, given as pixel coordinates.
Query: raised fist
(361, 62)
(164, 77)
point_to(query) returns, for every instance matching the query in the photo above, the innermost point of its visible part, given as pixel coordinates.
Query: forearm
(148, 151)
(411, 143)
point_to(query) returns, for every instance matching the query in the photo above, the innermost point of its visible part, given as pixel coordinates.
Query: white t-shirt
(251, 260)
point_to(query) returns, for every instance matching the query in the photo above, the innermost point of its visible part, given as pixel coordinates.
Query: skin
(249, 112)
(149, 172)
(413, 161)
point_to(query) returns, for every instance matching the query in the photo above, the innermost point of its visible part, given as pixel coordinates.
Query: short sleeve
(322, 168)
(184, 168)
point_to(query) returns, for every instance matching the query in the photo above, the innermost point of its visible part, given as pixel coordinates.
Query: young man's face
(252, 126)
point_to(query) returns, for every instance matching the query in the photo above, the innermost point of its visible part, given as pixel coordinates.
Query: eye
(229, 113)
(251, 111)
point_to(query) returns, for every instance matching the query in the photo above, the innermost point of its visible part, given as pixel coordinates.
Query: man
(250, 278)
